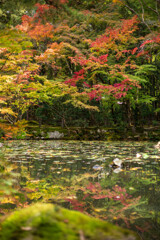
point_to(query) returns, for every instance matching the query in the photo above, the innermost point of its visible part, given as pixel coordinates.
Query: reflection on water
(78, 175)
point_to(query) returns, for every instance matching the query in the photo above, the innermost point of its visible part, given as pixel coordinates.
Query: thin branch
(140, 18)
(131, 9)
(68, 66)
(9, 118)
(154, 10)
(157, 2)
(142, 10)
(143, 15)
(149, 6)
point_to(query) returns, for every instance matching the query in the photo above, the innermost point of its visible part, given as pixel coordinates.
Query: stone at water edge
(157, 146)
(51, 222)
(97, 167)
(117, 162)
(138, 155)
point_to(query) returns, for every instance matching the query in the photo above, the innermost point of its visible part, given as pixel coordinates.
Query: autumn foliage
(49, 61)
(37, 26)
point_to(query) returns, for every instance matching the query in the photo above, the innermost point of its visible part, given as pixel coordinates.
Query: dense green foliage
(74, 63)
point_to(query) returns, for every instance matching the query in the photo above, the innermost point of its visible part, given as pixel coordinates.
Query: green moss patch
(47, 222)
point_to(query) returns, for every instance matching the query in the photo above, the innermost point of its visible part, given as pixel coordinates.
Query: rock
(117, 162)
(117, 170)
(47, 222)
(97, 167)
(157, 146)
(138, 155)
(55, 135)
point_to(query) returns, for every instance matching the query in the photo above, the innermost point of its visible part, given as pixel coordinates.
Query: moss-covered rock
(47, 222)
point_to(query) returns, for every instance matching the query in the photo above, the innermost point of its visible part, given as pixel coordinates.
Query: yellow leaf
(7, 111)
(135, 168)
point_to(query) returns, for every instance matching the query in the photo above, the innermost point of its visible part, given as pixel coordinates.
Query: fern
(157, 110)
(140, 80)
(147, 100)
(146, 69)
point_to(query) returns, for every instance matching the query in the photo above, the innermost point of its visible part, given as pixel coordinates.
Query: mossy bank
(47, 222)
(151, 133)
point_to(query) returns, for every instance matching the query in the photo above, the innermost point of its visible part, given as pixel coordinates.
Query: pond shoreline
(47, 132)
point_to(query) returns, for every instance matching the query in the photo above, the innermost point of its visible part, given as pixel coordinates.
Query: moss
(34, 131)
(46, 221)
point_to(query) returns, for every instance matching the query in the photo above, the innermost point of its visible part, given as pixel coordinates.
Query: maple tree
(100, 69)
(37, 26)
(90, 72)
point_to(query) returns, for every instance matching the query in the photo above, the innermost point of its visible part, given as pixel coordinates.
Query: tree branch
(149, 6)
(154, 10)
(143, 16)
(136, 13)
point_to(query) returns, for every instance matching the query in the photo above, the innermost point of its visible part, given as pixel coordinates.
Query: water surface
(78, 175)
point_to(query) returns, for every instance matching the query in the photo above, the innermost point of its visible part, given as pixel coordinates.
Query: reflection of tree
(61, 174)
(10, 196)
(143, 181)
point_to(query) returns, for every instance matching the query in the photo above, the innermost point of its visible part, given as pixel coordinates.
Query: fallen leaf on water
(26, 228)
(135, 168)
(98, 209)
(138, 155)
(66, 170)
(134, 213)
(145, 155)
(72, 197)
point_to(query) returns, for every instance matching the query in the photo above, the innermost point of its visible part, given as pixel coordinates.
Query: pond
(79, 175)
